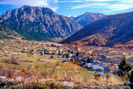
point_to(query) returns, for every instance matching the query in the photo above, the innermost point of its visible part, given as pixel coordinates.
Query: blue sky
(72, 7)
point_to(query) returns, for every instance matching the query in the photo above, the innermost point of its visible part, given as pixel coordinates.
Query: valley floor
(22, 62)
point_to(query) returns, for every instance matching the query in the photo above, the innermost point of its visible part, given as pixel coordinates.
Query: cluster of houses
(101, 67)
(42, 51)
(108, 54)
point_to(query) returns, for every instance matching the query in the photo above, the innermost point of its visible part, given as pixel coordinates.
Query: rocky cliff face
(87, 18)
(36, 23)
(109, 31)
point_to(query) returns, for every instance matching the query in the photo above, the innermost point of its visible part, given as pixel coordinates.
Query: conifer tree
(124, 69)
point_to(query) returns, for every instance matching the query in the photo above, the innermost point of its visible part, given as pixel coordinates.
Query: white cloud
(41, 3)
(126, 1)
(66, 1)
(92, 5)
(75, 1)
(120, 7)
(108, 0)
(80, 6)
(26, 2)
(98, 0)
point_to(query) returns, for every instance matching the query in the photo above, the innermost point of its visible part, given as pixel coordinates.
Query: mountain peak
(39, 23)
(26, 6)
(90, 13)
(37, 8)
(87, 18)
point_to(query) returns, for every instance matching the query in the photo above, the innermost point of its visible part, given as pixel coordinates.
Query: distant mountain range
(109, 31)
(36, 23)
(42, 24)
(87, 18)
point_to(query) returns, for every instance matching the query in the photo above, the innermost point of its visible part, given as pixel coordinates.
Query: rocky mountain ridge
(39, 23)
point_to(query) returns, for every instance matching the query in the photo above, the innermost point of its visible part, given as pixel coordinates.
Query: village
(46, 61)
(108, 54)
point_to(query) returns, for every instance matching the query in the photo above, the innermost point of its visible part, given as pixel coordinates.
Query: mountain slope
(36, 23)
(87, 18)
(6, 33)
(112, 30)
